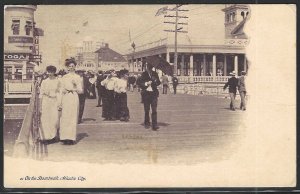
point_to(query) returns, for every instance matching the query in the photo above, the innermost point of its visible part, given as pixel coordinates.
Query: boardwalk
(192, 129)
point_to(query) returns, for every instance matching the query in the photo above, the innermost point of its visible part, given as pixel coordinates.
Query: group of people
(63, 98)
(233, 85)
(60, 105)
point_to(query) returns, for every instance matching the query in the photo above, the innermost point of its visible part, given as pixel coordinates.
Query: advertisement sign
(20, 39)
(35, 58)
(15, 56)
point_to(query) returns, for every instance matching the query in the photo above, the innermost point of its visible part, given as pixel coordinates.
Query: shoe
(233, 109)
(98, 106)
(106, 119)
(79, 121)
(154, 128)
(147, 125)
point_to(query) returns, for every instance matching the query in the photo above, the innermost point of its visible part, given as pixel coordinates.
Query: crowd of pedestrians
(63, 96)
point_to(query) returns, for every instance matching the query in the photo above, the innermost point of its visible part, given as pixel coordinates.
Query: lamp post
(133, 46)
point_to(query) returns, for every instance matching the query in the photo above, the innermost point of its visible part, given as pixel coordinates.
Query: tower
(235, 18)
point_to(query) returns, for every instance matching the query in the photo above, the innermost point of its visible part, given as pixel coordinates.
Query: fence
(28, 143)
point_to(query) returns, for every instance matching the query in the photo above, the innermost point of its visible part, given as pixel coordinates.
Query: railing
(18, 86)
(27, 143)
(160, 42)
(203, 79)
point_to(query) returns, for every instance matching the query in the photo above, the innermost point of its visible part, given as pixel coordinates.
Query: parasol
(160, 63)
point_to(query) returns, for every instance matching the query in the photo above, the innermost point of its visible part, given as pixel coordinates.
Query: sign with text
(35, 58)
(16, 56)
(20, 39)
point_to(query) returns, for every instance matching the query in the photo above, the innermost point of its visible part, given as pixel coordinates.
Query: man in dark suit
(100, 88)
(82, 97)
(232, 83)
(148, 83)
(175, 83)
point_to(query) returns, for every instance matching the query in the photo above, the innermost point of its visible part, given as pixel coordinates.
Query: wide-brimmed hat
(232, 73)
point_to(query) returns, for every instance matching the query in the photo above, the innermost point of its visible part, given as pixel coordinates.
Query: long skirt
(49, 118)
(122, 110)
(69, 116)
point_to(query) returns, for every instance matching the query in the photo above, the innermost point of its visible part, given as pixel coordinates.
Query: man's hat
(232, 73)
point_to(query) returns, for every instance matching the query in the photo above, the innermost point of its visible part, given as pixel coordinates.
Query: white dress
(70, 106)
(49, 112)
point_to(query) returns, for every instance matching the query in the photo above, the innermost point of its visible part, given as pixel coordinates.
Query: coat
(155, 81)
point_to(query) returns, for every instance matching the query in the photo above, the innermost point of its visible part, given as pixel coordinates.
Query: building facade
(203, 63)
(21, 50)
(104, 58)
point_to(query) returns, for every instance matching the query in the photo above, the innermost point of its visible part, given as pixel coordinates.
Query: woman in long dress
(70, 87)
(49, 112)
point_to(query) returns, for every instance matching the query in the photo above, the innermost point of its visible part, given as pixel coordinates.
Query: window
(15, 27)
(243, 14)
(28, 27)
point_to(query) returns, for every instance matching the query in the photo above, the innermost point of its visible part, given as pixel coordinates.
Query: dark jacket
(154, 78)
(241, 84)
(86, 84)
(232, 83)
(175, 81)
(100, 78)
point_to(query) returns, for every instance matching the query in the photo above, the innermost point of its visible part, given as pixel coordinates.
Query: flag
(162, 11)
(85, 23)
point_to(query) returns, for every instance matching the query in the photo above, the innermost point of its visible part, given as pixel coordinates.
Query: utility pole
(177, 17)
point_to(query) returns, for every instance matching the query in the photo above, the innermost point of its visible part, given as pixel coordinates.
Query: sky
(114, 23)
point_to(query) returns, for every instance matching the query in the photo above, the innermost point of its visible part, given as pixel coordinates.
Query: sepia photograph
(149, 95)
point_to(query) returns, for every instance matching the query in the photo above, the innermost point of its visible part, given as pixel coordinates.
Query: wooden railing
(203, 79)
(28, 143)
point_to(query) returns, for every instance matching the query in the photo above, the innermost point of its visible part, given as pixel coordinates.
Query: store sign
(16, 56)
(20, 39)
(35, 58)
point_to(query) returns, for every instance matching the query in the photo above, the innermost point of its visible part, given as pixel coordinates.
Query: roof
(108, 55)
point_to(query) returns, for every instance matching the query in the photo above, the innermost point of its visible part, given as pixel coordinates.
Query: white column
(24, 70)
(182, 65)
(13, 71)
(191, 65)
(168, 57)
(236, 64)
(214, 64)
(204, 67)
(225, 66)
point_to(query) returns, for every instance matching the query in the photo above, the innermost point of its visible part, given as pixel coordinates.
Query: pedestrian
(109, 83)
(49, 110)
(242, 90)
(149, 83)
(92, 87)
(232, 84)
(121, 97)
(165, 83)
(138, 83)
(82, 96)
(100, 88)
(131, 81)
(71, 86)
(175, 83)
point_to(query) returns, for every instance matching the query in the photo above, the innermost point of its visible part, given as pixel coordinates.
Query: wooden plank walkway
(193, 129)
